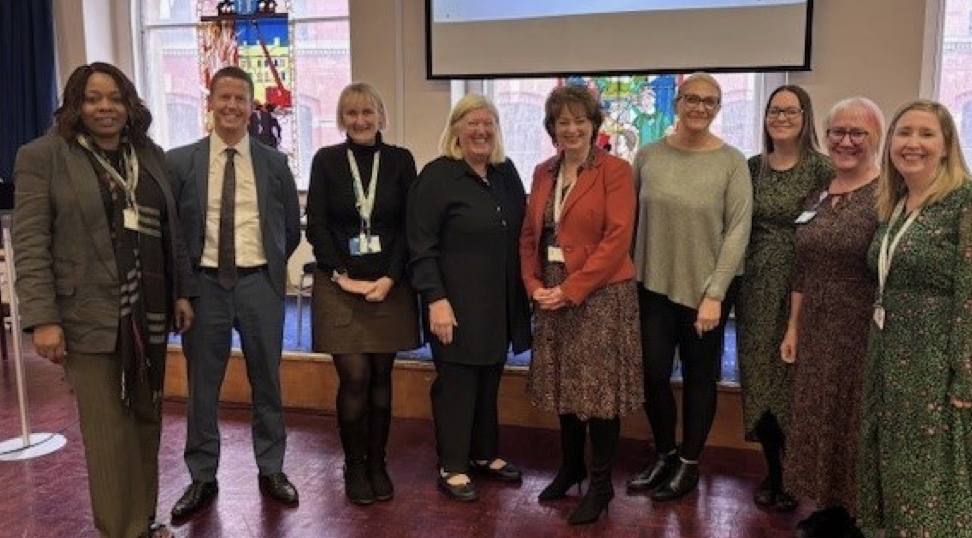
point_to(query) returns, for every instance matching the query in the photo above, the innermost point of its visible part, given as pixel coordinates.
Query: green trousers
(121, 445)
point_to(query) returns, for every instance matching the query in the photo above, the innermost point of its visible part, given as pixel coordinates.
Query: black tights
(771, 436)
(364, 402)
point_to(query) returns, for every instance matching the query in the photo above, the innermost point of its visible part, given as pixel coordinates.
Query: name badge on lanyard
(886, 253)
(128, 184)
(554, 252)
(365, 242)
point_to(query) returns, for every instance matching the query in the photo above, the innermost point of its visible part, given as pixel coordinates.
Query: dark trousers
(665, 328)
(465, 413)
(256, 311)
(121, 445)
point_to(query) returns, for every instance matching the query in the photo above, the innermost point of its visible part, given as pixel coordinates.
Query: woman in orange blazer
(574, 252)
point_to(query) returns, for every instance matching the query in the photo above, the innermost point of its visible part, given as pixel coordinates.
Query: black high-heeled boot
(572, 469)
(604, 441)
(683, 481)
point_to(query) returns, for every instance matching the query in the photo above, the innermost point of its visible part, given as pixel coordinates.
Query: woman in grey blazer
(102, 277)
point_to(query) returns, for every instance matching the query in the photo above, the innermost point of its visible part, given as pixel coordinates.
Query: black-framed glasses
(790, 112)
(856, 136)
(691, 99)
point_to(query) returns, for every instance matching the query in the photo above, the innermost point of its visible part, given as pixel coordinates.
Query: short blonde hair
(952, 172)
(868, 111)
(357, 91)
(449, 141)
(700, 76)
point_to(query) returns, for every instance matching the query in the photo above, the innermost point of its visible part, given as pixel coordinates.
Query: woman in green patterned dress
(788, 169)
(915, 453)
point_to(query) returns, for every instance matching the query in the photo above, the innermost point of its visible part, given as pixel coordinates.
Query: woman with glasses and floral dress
(830, 311)
(788, 169)
(694, 213)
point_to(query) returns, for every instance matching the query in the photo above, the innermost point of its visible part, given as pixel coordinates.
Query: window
(520, 105)
(172, 87)
(955, 67)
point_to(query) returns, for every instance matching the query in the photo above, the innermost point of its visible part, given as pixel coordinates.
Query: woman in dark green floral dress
(915, 453)
(787, 170)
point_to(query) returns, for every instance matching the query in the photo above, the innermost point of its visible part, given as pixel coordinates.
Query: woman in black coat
(363, 311)
(464, 216)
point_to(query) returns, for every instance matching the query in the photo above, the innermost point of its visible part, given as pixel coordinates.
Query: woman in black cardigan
(363, 310)
(464, 217)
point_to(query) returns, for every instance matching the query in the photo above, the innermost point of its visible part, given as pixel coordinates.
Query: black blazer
(332, 218)
(463, 235)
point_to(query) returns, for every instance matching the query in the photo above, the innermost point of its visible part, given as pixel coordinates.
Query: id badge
(805, 217)
(364, 244)
(374, 244)
(130, 217)
(555, 254)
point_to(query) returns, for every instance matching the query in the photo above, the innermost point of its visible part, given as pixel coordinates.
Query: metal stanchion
(28, 445)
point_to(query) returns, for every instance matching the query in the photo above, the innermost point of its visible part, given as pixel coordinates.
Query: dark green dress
(763, 305)
(916, 449)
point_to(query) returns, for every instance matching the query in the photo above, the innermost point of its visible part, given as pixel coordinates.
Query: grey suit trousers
(121, 445)
(256, 311)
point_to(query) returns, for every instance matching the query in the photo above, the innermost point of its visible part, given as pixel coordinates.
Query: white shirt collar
(217, 146)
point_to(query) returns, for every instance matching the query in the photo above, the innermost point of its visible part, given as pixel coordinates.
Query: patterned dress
(838, 294)
(763, 306)
(916, 450)
(586, 358)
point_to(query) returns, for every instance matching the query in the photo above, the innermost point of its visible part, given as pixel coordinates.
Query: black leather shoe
(196, 497)
(683, 481)
(765, 494)
(506, 473)
(460, 492)
(278, 487)
(653, 475)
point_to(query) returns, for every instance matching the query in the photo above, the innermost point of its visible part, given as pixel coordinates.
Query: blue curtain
(27, 68)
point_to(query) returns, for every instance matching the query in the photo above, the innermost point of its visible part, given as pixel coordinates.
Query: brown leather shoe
(196, 497)
(278, 487)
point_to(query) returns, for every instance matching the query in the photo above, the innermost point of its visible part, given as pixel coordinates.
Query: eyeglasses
(708, 103)
(789, 113)
(836, 136)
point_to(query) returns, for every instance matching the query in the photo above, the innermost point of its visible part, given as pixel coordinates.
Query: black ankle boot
(572, 470)
(683, 481)
(654, 474)
(357, 487)
(381, 484)
(604, 440)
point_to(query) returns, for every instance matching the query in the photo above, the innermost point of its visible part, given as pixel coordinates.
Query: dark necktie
(226, 272)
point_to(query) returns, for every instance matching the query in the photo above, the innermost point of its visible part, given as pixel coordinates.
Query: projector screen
(511, 38)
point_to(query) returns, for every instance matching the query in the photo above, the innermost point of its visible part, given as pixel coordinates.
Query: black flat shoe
(278, 487)
(196, 497)
(562, 483)
(506, 473)
(765, 495)
(460, 492)
(684, 480)
(654, 474)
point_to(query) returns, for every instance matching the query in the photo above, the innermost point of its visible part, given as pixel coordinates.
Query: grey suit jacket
(65, 260)
(276, 198)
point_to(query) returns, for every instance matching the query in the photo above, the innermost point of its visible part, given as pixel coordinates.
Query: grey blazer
(276, 197)
(64, 258)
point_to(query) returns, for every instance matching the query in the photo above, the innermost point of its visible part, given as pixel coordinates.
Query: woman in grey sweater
(694, 214)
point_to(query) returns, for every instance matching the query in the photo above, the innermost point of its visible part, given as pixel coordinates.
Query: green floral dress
(763, 305)
(916, 449)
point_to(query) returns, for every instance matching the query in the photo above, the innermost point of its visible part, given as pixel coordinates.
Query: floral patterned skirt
(587, 358)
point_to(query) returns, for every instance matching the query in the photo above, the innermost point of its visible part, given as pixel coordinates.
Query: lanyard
(129, 184)
(889, 245)
(365, 202)
(560, 197)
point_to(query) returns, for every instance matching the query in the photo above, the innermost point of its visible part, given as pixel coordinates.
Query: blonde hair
(449, 141)
(360, 91)
(868, 111)
(952, 172)
(700, 76)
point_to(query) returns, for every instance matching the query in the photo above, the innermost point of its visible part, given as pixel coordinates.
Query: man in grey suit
(240, 218)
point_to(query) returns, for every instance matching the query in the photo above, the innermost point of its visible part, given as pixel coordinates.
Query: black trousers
(465, 413)
(665, 328)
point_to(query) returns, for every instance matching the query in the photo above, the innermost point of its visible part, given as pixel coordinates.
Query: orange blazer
(595, 228)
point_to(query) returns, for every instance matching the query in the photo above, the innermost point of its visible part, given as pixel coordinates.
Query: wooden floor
(47, 497)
